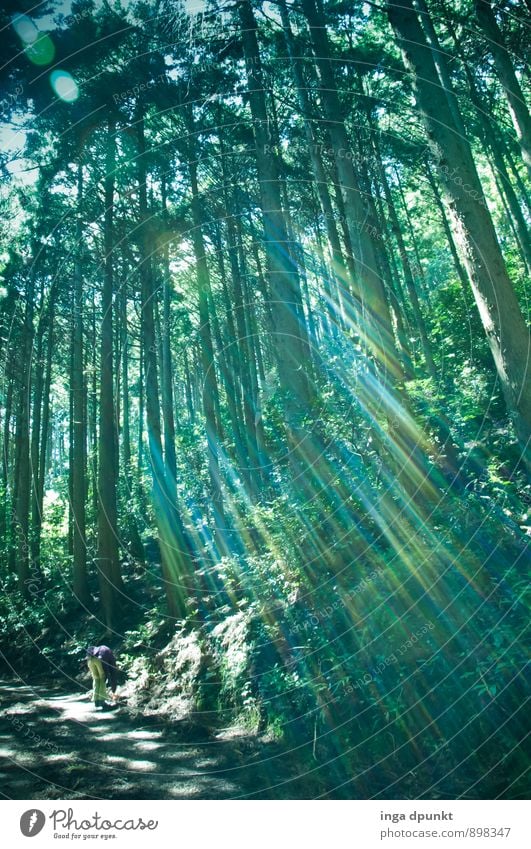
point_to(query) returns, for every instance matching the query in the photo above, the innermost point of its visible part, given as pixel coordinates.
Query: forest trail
(56, 746)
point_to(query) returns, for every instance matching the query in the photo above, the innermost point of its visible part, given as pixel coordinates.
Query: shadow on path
(56, 746)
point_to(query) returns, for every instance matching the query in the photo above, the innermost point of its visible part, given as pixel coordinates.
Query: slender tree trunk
(247, 364)
(283, 292)
(188, 390)
(141, 409)
(517, 177)
(210, 391)
(406, 266)
(71, 439)
(343, 281)
(252, 355)
(44, 450)
(126, 414)
(108, 554)
(78, 389)
(458, 265)
(230, 368)
(93, 415)
(167, 370)
(137, 548)
(6, 446)
(22, 457)
(174, 547)
(36, 518)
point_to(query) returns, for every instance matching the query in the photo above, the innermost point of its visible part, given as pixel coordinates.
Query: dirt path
(56, 746)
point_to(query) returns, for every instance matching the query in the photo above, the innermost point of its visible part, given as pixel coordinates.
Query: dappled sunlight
(265, 404)
(121, 764)
(79, 747)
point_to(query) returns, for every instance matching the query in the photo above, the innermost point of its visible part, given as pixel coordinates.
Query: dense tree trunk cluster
(237, 283)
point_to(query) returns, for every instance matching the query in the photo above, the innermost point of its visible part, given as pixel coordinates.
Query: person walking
(102, 664)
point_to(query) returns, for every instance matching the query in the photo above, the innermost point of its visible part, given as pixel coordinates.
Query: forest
(265, 397)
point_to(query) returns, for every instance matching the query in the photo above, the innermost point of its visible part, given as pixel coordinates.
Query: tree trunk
(210, 391)
(230, 366)
(406, 265)
(505, 328)
(167, 370)
(78, 389)
(36, 518)
(22, 456)
(377, 331)
(458, 265)
(137, 548)
(45, 434)
(511, 86)
(290, 338)
(6, 446)
(108, 556)
(173, 541)
(490, 140)
(342, 279)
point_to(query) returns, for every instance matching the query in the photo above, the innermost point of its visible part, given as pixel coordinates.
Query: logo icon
(32, 822)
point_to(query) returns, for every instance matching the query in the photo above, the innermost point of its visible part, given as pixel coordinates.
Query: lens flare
(41, 51)
(25, 29)
(64, 86)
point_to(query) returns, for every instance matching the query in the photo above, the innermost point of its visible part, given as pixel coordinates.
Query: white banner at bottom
(261, 824)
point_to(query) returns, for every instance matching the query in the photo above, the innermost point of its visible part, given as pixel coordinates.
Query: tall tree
(209, 391)
(108, 552)
(290, 337)
(78, 389)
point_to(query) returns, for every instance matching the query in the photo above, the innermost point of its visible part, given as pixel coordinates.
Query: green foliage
(334, 555)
